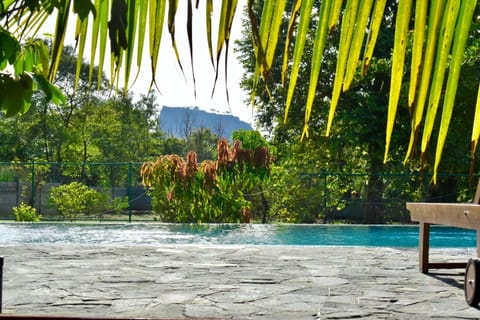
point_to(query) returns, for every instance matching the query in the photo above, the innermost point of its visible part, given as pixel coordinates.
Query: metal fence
(31, 183)
(325, 195)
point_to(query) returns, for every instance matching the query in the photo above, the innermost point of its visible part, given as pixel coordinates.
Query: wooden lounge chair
(463, 215)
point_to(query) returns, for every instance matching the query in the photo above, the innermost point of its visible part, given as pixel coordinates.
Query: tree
(452, 19)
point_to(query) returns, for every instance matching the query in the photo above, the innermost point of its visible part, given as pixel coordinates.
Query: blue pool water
(230, 234)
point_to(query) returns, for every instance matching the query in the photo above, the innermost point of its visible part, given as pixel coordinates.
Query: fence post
(33, 184)
(1, 283)
(129, 190)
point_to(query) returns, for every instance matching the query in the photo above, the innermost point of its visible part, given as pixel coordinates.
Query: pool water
(230, 234)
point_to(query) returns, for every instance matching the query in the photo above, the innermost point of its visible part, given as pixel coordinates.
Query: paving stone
(232, 282)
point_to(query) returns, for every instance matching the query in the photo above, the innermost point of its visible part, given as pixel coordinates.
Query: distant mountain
(180, 121)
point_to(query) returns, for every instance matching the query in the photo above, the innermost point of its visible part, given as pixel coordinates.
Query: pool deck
(242, 282)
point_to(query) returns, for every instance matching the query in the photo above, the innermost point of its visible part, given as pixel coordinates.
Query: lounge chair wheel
(472, 282)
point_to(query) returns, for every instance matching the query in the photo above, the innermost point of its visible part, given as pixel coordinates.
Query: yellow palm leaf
(320, 38)
(348, 25)
(435, 16)
(476, 125)
(398, 62)
(443, 51)
(363, 15)
(305, 13)
(417, 50)
(461, 35)
(375, 22)
(291, 27)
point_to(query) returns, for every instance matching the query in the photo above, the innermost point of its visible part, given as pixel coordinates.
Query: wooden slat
(452, 214)
(447, 265)
(423, 246)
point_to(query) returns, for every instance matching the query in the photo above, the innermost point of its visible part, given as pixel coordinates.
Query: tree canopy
(440, 28)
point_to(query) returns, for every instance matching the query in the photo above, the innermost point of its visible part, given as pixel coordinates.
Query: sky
(176, 89)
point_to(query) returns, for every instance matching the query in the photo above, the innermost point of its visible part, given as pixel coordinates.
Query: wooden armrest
(463, 215)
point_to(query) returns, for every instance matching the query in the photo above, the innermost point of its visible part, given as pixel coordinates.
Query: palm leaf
(208, 19)
(94, 39)
(443, 51)
(334, 14)
(320, 39)
(157, 17)
(364, 11)
(461, 35)
(435, 15)
(476, 129)
(302, 32)
(132, 13)
(375, 22)
(274, 32)
(398, 62)
(225, 25)
(190, 42)
(291, 27)
(82, 27)
(103, 26)
(348, 24)
(60, 30)
(417, 50)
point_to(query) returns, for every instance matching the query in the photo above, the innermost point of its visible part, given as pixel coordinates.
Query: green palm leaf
(375, 22)
(417, 50)
(444, 45)
(317, 55)
(305, 13)
(348, 25)
(435, 15)
(291, 27)
(461, 35)
(398, 62)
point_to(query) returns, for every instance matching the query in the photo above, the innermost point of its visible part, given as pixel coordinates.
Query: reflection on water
(229, 234)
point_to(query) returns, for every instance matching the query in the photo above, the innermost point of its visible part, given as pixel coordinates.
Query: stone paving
(227, 282)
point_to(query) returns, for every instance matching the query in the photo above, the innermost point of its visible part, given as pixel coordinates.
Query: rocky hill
(182, 121)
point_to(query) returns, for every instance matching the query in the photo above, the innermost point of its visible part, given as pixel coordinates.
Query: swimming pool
(134, 234)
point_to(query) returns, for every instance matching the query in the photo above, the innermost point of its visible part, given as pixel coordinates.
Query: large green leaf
(320, 39)
(157, 17)
(435, 16)
(461, 35)
(364, 11)
(348, 26)
(417, 50)
(60, 31)
(303, 27)
(16, 93)
(291, 27)
(398, 62)
(444, 45)
(375, 22)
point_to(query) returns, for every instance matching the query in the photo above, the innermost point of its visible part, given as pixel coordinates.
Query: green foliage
(75, 199)
(26, 213)
(29, 64)
(182, 191)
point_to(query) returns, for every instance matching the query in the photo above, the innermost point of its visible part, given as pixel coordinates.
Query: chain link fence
(319, 197)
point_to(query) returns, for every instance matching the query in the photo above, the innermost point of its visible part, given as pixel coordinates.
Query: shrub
(183, 191)
(76, 198)
(24, 212)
